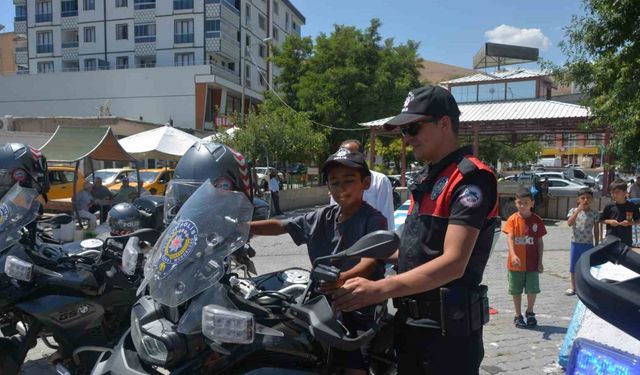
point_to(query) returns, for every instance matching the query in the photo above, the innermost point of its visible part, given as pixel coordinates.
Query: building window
(90, 64)
(247, 14)
(122, 31)
(70, 39)
(90, 34)
(45, 67)
(144, 4)
(491, 92)
(21, 13)
(261, 80)
(276, 7)
(465, 94)
(44, 12)
(247, 75)
(183, 31)
(276, 35)
(231, 66)
(69, 8)
(262, 50)
(89, 4)
(286, 21)
(121, 3)
(294, 25)
(122, 62)
(247, 40)
(44, 42)
(182, 4)
(145, 33)
(183, 59)
(521, 90)
(212, 28)
(262, 22)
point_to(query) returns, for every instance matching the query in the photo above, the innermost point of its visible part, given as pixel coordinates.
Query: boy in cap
(334, 228)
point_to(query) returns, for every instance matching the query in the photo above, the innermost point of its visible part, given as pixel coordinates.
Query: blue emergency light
(590, 358)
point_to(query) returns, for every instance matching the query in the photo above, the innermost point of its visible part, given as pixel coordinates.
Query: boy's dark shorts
(527, 280)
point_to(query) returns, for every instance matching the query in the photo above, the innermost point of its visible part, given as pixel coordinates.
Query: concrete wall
(291, 199)
(155, 94)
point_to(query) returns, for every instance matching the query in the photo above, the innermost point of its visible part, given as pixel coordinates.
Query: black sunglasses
(413, 128)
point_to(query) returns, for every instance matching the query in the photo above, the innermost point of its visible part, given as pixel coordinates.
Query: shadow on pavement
(547, 331)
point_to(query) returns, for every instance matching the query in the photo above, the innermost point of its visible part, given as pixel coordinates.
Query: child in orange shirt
(524, 231)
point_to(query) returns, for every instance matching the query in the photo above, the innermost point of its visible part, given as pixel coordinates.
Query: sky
(450, 31)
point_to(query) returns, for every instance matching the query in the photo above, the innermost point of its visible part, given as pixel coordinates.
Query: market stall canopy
(164, 143)
(72, 144)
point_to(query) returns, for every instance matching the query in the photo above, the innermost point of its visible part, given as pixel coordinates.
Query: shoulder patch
(471, 196)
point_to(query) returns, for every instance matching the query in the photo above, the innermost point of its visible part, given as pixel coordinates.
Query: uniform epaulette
(466, 166)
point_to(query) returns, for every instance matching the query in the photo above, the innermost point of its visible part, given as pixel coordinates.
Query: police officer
(444, 246)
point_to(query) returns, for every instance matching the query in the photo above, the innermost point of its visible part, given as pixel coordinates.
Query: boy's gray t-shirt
(583, 227)
(323, 234)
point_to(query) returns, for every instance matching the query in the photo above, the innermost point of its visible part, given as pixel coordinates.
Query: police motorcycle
(201, 317)
(614, 298)
(75, 299)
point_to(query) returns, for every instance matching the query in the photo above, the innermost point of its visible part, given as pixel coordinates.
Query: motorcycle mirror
(380, 244)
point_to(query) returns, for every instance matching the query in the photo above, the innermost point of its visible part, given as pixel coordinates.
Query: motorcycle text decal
(177, 246)
(4, 214)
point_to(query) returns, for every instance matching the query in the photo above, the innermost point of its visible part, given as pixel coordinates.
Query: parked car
(600, 178)
(111, 176)
(154, 180)
(296, 168)
(61, 182)
(564, 188)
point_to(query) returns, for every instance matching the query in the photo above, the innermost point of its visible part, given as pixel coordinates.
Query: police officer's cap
(425, 102)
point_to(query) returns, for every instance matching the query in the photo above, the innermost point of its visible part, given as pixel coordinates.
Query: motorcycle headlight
(130, 256)
(154, 338)
(18, 269)
(227, 326)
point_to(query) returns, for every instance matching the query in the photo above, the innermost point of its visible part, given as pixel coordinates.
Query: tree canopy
(603, 50)
(347, 77)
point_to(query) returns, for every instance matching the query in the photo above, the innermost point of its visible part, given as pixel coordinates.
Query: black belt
(418, 308)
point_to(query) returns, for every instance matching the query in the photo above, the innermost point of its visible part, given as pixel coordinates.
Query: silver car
(559, 187)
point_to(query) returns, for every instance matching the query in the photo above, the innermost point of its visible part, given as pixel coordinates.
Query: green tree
(276, 133)
(347, 77)
(603, 56)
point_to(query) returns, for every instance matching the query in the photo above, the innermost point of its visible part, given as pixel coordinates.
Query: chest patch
(438, 187)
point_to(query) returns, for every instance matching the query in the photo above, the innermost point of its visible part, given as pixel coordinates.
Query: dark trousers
(275, 198)
(426, 351)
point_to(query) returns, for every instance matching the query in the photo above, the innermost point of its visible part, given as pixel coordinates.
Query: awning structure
(164, 143)
(72, 144)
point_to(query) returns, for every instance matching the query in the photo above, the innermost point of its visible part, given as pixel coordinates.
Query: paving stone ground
(508, 350)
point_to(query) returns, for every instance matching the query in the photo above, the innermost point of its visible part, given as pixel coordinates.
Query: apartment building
(223, 43)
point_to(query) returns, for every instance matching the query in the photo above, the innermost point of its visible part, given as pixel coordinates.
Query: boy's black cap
(426, 101)
(347, 158)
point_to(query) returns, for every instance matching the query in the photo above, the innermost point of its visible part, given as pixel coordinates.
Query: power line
(286, 104)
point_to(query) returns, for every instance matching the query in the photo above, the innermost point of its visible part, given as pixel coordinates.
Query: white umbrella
(165, 143)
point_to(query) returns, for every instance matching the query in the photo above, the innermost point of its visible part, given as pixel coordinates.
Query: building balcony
(144, 4)
(69, 13)
(44, 17)
(19, 18)
(19, 2)
(22, 49)
(182, 38)
(212, 34)
(44, 48)
(70, 44)
(227, 74)
(145, 39)
(229, 4)
(182, 4)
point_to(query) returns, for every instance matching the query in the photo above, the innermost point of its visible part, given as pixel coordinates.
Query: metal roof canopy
(74, 144)
(497, 55)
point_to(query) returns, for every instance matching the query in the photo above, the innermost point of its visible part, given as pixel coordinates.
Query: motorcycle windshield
(190, 255)
(18, 207)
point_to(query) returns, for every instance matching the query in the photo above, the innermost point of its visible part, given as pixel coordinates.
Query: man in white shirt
(380, 194)
(274, 187)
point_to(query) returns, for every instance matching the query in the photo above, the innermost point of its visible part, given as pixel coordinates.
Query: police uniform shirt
(324, 235)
